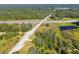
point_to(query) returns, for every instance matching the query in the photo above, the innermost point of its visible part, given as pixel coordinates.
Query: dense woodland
(25, 13)
(37, 13)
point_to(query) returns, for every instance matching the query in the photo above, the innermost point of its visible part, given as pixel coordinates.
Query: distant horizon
(39, 5)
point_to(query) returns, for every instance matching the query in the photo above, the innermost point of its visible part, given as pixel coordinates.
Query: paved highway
(25, 38)
(37, 21)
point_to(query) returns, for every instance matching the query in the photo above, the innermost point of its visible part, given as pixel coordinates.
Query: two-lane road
(36, 21)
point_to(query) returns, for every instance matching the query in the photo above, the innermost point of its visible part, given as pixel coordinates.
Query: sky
(39, 1)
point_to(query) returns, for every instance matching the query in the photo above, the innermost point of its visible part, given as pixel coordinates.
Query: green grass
(7, 44)
(70, 18)
(63, 38)
(66, 24)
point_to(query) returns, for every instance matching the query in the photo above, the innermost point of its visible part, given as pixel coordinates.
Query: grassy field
(7, 44)
(49, 39)
(48, 36)
(70, 18)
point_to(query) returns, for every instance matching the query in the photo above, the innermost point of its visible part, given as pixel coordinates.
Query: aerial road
(36, 21)
(26, 36)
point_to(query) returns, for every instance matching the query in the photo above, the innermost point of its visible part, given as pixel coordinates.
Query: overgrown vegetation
(10, 34)
(23, 13)
(52, 42)
(48, 39)
(37, 13)
(15, 27)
